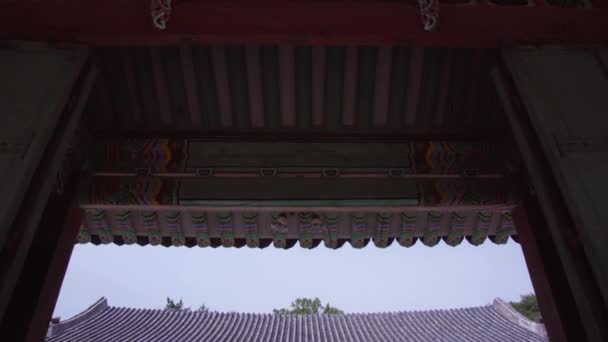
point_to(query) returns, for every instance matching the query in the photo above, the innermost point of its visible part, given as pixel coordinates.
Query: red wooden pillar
(567, 290)
(550, 285)
(34, 298)
(37, 234)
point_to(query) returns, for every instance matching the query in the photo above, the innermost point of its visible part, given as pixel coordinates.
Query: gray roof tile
(496, 322)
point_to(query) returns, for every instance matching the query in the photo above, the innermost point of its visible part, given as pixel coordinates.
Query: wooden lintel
(481, 24)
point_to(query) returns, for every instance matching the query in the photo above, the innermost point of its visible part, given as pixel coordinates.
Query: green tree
(179, 306)
(203, 308)
(175, 306)
(528, 306)
(307, 306)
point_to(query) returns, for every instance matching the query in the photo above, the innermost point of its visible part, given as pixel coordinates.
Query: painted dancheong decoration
(152, 227)
(481, 229)
(440, 196)
(250, 220)
(309, 224)
(188, 228)
(226, 226)
(457, 230)
(160, 13)
(100, 226)
(330, 229)
(201, 229)
(381, 237)
(359, 238)
(407, 236)
(506, 228)
(84, 235)
(126, 228)
(433, 231)
(279, 229)
(174, 225)
(153, 156)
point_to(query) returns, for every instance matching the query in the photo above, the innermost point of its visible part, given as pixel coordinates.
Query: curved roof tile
(495, 322)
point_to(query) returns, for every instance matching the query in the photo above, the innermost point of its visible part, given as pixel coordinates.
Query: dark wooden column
(568, 292)
(34, 298)
(36, 240)
(550, 285)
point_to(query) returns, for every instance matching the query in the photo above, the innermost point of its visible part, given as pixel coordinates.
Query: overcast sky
(252, 280)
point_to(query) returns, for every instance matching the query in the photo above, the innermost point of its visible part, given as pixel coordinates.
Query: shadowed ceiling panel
(269, 89)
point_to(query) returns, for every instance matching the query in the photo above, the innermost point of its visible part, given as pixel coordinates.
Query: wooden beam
(560, 227)
(312, 135)
(34, 299)
(287, 87)
(160, 84)
(383, 81)
(14, 253)
(318, 85)
(349, 98)
(222, 87)
(37, 82)
(254, 84)
(128, 69)
(185, 54)
(444, 87)
(550, 287)
(481, 24)
(414, 79)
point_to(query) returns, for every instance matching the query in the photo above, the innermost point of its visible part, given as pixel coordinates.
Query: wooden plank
(564, 91)
(382, 85)
(22, 230)
(185, 54)
(286, 83)
(413, 85)
(318, 85)
(34, 300)
(218, 58)
(492, 192)
(350, 86)
(129, 71)
(36, 84)
(249, 154)
(254, 83)
(160, 85)
(584, 287)
(444, 86)
(538, 260)
(480, 24)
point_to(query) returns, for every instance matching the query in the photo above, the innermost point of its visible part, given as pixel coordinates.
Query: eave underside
(386, 143)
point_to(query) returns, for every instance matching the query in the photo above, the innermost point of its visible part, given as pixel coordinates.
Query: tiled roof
(496, 322)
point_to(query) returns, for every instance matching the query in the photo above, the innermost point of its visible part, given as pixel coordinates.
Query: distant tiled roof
(496, 322)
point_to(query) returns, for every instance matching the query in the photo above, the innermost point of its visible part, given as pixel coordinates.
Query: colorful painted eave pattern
(286, 229)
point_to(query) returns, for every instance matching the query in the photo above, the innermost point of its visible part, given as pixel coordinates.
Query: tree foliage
(203, 308)
(175, 305)
(179, 306)
(528, 306)
(307, 306)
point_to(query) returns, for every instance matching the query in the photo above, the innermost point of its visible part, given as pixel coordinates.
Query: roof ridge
(100, 303)
(94, 309)
(507, 311)
(374, 313)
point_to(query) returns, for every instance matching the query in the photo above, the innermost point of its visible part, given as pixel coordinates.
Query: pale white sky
(252, 280)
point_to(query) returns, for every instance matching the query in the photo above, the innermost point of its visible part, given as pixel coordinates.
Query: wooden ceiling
(203, 91)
